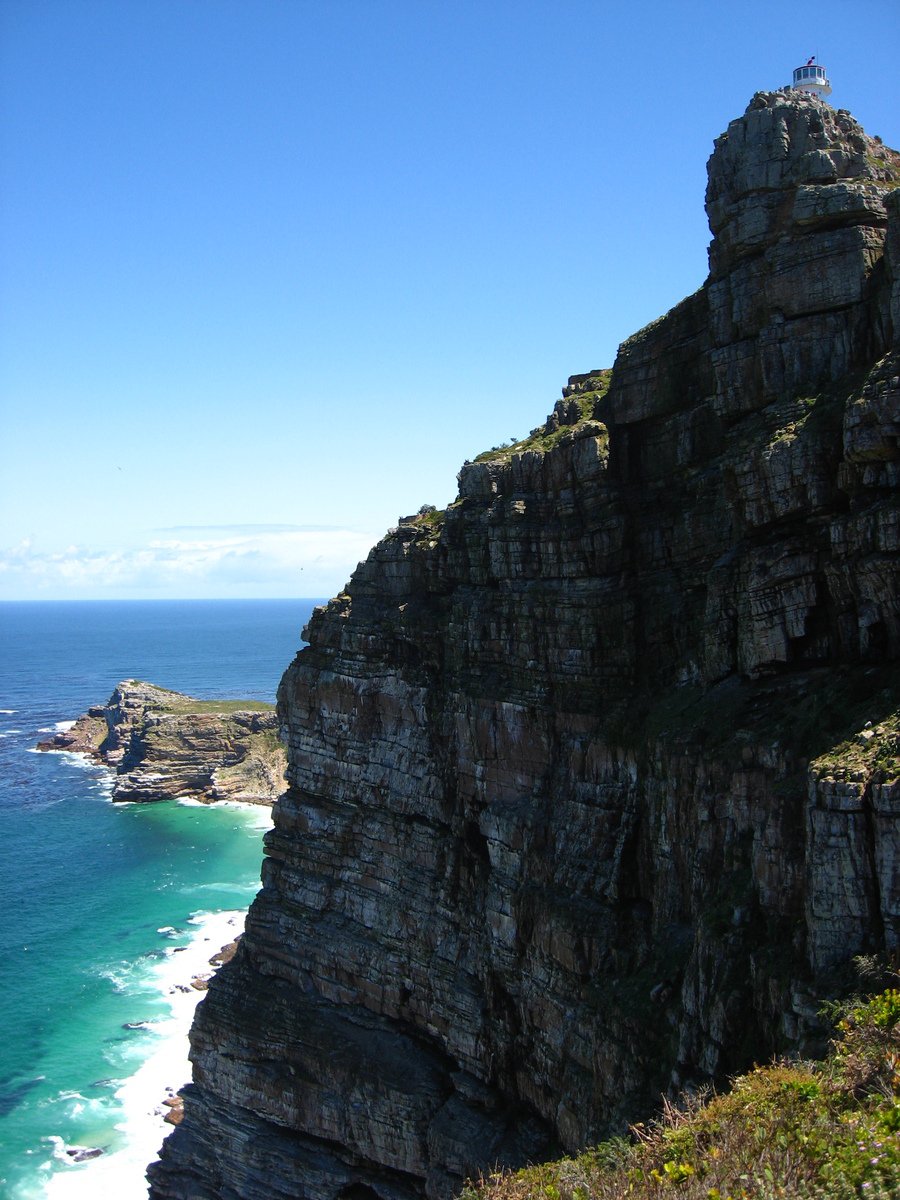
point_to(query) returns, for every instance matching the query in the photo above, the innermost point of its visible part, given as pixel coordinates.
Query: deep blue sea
(110, 909)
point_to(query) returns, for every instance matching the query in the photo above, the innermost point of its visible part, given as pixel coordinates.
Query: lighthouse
(811, 78)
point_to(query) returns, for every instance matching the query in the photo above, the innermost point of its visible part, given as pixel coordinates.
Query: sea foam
(120, 1173)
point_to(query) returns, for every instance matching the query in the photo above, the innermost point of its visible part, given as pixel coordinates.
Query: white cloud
(227, 561)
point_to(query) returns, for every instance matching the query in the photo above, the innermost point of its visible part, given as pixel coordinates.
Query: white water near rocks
(121, 1173)
(111, 909)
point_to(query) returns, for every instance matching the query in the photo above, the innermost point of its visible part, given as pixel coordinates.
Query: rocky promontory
(594, 777)
(163, 745)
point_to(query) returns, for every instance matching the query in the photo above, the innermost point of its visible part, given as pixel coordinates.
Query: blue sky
(272, 270)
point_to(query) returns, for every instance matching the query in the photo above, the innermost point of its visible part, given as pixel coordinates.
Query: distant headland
(163, 745)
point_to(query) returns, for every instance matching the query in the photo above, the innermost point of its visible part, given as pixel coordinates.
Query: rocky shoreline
(174, 1101)
(160, 1094)
(163, 745)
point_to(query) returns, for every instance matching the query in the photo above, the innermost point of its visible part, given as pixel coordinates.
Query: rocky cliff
(593, 778)
(163, 745)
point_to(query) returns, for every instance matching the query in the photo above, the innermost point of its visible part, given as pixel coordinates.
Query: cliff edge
(593, 778)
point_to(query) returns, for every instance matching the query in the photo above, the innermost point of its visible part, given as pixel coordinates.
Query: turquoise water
(110, 909)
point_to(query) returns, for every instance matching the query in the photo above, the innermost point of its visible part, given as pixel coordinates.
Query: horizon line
(161, 599)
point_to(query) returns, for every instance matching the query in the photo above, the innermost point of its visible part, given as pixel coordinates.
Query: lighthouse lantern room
(811, 77)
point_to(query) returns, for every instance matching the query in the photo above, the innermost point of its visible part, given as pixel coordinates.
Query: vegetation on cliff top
(828, 1130)
(177, 702)
(874, 753)
(546, 436)
(570, 417)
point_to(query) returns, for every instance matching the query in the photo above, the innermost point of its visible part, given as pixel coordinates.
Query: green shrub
(811, 1131)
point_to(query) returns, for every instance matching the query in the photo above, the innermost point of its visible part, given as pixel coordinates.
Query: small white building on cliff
(811, 77)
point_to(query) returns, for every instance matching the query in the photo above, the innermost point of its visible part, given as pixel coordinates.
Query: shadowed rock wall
(571, 818)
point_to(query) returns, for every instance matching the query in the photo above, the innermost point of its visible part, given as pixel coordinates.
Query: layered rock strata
(163, 745)
(593, 778)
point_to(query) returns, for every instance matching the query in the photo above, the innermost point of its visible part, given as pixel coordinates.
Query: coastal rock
(163, 745)
(579, 806)
(79, 1154)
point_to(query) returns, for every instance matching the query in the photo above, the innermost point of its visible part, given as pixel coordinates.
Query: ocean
(109, 910)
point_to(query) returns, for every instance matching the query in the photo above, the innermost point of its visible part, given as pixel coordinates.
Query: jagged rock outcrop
(593, 777)
(163, 745)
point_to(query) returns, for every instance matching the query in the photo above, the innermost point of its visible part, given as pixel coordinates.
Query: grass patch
(165, 700)
(546, 436)
(431, 517)
(266, 743)
(884, 163)
(794, 414)
(191, 705)
(819, 1131)
(874, 752)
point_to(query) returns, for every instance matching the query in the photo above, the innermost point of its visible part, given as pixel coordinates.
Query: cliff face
(593, 777)
(163, 745)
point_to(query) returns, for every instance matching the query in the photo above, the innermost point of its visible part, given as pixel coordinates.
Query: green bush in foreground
(824, 1130)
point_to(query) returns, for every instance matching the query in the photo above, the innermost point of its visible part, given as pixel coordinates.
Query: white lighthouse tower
(811, 78)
